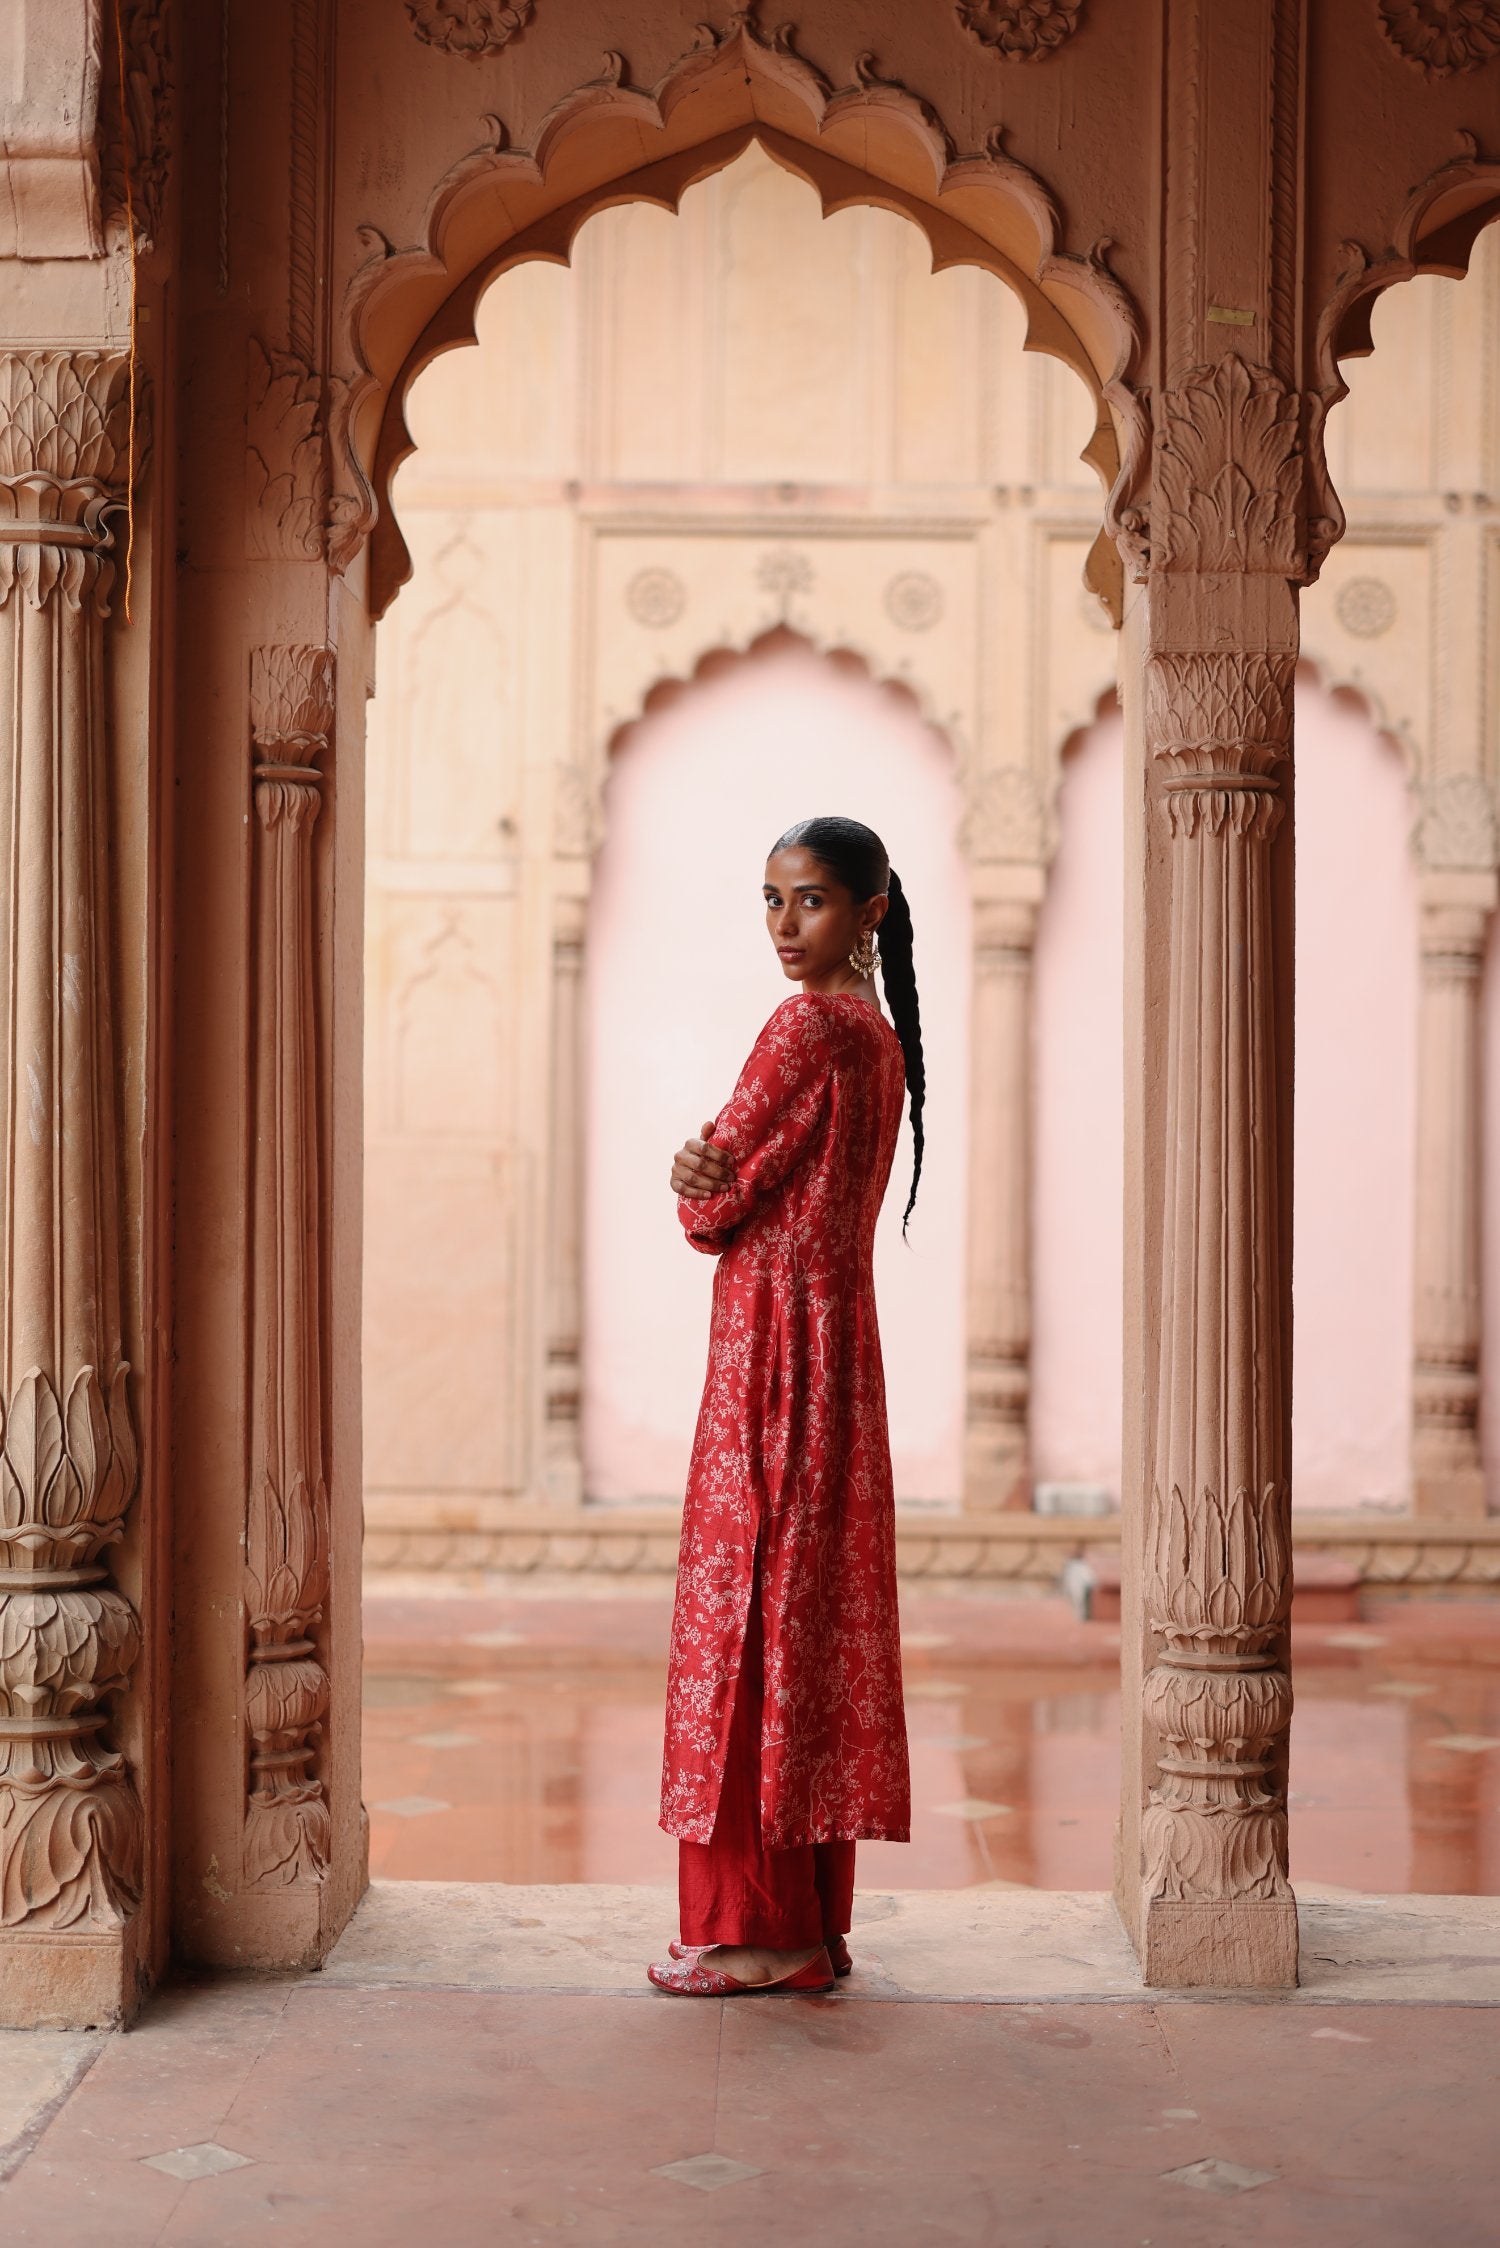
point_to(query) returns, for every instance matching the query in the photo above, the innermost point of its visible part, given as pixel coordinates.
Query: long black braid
(855, 856)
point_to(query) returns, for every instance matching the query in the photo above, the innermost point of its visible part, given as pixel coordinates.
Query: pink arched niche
(680, 978)
(1356, 1059)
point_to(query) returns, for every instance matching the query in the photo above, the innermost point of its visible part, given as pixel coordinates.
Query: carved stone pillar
(563, 1461)
(1448, 1478)
(286, 1686)
(1217, 1698)
(70, 1818)
(996, 1444)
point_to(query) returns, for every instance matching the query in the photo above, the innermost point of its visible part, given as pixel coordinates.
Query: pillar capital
(65, 445)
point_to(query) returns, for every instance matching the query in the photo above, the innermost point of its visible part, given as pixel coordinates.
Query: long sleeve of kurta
(768, 1122)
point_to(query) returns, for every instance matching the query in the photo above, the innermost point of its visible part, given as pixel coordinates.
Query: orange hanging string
(130, 238)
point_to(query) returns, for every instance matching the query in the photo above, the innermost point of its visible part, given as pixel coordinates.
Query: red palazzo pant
(732, 1890)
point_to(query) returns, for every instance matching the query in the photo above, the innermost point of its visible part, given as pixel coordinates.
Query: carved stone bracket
(70, 1820)
(137, 135)
(1218, 1584)
(287, 1833)
(1458, 826)
(287, 456)
(1227, 490)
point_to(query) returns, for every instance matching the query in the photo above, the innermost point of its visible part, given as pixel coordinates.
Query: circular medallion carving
(1019, 30)
(1366, 607)
(656, 597)
(1443, 37)
(914, 601)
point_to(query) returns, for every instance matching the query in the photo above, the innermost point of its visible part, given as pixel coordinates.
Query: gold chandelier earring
(862, 958)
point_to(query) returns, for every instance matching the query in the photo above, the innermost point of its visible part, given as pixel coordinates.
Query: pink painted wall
(680, 978)
(1356, 1060)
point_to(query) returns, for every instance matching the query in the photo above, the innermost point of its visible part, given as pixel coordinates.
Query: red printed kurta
(791, 1454)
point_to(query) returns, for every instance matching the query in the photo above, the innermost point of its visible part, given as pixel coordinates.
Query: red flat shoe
(687, 1977)
(838, 1953)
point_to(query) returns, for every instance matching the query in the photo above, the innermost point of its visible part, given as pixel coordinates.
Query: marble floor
(485, 2068)
(482, 2065)
(517, 1738)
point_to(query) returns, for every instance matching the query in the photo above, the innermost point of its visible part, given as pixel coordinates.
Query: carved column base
(1244, 1943)
(72, 1978)
(997, 1466)
(1448, 1494)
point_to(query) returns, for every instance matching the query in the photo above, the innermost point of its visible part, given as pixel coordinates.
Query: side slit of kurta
(732, 1889)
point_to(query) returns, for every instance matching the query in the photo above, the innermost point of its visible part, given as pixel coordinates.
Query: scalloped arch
(608, 142)
(770, 640)
(1332, 679)
(1443, 218)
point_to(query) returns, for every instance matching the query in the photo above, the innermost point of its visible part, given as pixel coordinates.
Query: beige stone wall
(742, 417)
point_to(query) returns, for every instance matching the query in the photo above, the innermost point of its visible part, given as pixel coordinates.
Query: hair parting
(855, 856)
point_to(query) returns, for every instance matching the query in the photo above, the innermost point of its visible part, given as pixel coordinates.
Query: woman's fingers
(700, 1169)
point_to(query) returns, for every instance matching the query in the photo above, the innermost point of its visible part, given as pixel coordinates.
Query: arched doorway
(613, 483)
(677, 981)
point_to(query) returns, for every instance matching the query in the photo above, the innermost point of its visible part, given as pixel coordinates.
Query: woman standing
(786, 1733)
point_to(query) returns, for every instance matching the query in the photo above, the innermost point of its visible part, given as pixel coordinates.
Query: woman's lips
(789, 952)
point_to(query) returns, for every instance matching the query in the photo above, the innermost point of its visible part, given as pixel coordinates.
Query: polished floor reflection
(518, 1739)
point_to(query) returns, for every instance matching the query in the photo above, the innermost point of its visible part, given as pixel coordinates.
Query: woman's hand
(700, 1169)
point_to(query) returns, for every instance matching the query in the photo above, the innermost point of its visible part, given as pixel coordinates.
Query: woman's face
(813, 920)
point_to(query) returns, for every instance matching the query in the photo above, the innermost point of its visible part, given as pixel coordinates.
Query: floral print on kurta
(789, 1495)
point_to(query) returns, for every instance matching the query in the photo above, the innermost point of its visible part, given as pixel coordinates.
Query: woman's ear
(873, 912)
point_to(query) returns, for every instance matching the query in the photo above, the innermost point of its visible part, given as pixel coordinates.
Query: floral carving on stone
(70, 1825)
(1458, 825)
(1228, 473)
(656, 597)
(1006, 817)
(914, 601)
(1442, 37)
(782, 573)
(63, 443)
(287, 457)
(287, 1826)
(70, 1819)
(1019, 30)
(1366, 607)
(134, 157)
(577, 813)
(471, 28)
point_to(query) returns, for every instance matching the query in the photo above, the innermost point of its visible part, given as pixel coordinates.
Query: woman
(786, 1732)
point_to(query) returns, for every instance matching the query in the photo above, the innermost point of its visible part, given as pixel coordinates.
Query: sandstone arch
(870, 142)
